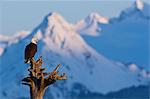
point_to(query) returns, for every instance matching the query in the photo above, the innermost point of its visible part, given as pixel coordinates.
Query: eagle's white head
(34, 40)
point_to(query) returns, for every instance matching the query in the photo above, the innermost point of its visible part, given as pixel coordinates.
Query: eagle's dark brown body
(30, 51)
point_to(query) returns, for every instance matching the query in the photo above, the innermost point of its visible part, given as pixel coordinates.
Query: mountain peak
(51, 17)
(54, 19)
(53, 14)
(97, 17)
(139, 4)
(89, 25)
(94, 15)
(51, 22)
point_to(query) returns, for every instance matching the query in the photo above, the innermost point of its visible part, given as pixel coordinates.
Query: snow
(4, 38)
(60, 43)
(125, 38)
(148, 75)
(139, 4)
(97, 17)
(1, 51)
(6, 41)
(143, 73)
(38, 35)
(89, 25)
(133, 67)
(13, 38)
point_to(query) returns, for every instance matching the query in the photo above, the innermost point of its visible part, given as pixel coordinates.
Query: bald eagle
(30, 50)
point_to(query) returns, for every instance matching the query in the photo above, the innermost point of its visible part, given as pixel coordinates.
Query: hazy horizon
(26, 15)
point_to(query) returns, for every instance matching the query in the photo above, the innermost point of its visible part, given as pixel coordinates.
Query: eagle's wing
(30, 51)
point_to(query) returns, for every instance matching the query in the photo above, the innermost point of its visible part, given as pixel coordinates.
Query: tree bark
(38, 80)
(36, 93)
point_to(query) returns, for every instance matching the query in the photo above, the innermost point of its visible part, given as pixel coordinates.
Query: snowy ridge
(6, 41)
(18, 35)
(128, 32)
(138, 10)
(141, 72)
(89, 25)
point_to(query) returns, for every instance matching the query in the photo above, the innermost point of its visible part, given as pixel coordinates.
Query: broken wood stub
(38, 80)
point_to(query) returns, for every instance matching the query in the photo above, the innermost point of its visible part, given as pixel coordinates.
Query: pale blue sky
(25, 15)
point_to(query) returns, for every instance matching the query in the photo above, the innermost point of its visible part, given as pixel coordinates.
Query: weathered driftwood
(38, 80)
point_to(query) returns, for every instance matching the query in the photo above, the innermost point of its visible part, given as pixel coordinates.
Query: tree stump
(38, 80)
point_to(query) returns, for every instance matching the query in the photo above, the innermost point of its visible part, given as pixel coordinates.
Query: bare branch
(39, 80)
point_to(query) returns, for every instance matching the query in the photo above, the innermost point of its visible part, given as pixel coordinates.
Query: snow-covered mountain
(89, 25)
(125, 38)
(139, 10)
(6, 41)
(59, 43)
